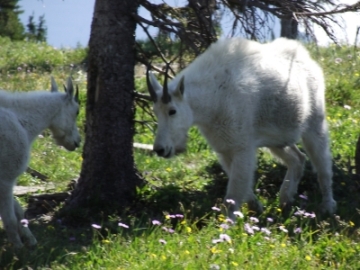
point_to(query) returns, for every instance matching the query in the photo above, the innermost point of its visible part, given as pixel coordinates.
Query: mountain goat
(243, 95)
(23, 117)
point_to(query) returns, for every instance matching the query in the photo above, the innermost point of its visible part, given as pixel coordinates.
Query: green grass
(190, 185)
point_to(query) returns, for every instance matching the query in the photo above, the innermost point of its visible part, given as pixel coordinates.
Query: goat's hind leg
(8, 216)
(316, 144)
(294, 160)
(23, 229)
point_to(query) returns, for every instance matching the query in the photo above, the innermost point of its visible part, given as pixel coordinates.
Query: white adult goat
(23, 116)
(243, 95)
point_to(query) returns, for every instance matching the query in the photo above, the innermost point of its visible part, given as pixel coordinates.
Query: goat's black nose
(159, 151)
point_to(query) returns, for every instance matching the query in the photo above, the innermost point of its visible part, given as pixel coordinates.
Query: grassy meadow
(175, 223)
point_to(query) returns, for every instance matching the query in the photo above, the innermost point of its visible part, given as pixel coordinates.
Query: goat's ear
(155, 83)
(54, 87)
(179, 91)
(69, 88)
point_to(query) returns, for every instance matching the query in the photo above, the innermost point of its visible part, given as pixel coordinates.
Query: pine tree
(10, 24)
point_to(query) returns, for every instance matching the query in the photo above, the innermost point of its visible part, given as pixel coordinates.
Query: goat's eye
(172, 112)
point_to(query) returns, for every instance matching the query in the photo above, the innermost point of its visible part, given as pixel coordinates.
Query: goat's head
(173, 114)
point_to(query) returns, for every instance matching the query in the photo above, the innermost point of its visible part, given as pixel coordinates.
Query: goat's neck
(37, 114)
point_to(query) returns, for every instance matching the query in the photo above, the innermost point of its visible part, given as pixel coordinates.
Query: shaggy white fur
(23, 117)
(243, 95)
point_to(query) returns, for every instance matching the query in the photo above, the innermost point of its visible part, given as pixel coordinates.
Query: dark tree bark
(289, 28)
(108, 176)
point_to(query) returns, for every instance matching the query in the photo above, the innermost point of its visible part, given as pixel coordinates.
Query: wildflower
(106, 241)
(269, 219)
(95, 226)
(234, 263)
(179, 216)
(282, 228)
(352, 224)
(255, 228)
(299, 213)
(214, 267)
(123, 225)
(310, 215)
(254, 219)
(248, 228)
(156, 222)
(239, 214)
(224, 226)
(229, 220)
(302, 196)
(162, 241)
(171, 230)
(230, 201)
(231, 250)
(215, 241)
(308, 258)
(214, 250)
(215, 208)
(347, 107)
(338, 60)
(225, 237)
(266, 231)
(165, 229)
(24, 222)
(283, 245)
(19, 69)
(298, 230)
(188, 229)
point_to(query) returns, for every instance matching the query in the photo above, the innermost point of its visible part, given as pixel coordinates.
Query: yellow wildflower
(308, 258)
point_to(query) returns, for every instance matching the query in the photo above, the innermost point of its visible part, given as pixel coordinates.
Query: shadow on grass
(58, 242)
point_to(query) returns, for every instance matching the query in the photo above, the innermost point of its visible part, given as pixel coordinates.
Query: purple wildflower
(156, 222)
(266, 231)
(298, 230)
(162, 241)
(224, 226)
(299, 213)
(215, 241)
(302, 196)
(310, 215)
(230, 201)
(269, 219)
(24, 222)
(95, 226)
(248, 228)
(171, 230)
(255, 228)
(239, 214)
(179, 216)
(254, 219)
(225, 237)
(215, 208)
(123, 225)
(229, 220)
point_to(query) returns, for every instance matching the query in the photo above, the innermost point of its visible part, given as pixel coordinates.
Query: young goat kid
(243, 95)
(23, 116)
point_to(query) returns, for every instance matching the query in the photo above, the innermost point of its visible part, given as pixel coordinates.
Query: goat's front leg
(7, 213)
(240, 186)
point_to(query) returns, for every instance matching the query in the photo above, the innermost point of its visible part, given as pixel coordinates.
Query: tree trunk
(289, 28)
(357, 157)
(108, 178)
